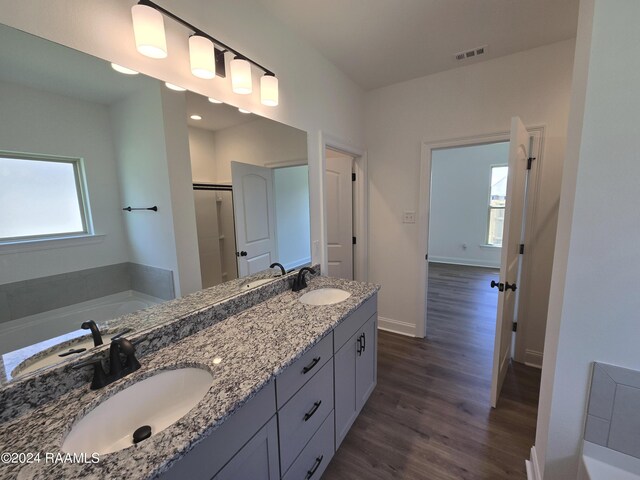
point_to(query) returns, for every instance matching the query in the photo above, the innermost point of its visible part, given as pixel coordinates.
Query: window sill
(486, 245)
(48, 243)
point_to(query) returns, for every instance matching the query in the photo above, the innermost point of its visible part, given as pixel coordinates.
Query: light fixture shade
(148, 28)
(241, 76)
(202, 56)
(269, 90)
(121, 69)
(214, 100)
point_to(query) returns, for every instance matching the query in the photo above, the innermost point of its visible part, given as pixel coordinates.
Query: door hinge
(353, 240)
(515, 326)
(521, 248)
(529, 162)
(353, 177)
(426, 257)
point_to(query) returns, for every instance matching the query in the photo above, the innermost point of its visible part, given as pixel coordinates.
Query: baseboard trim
(533, 358)
(463, 261)
(533, 468)
(396, 326)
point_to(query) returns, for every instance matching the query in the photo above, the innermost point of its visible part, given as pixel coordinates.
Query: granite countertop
(255, 346)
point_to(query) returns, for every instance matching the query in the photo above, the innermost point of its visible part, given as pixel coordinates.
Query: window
(41, 197)
(497, 201)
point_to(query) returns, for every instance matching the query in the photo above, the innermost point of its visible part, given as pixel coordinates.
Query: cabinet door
(258, 459)
(366, 362)
(346, 405)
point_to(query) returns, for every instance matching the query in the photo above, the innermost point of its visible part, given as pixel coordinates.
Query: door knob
(241, 254)
(500, 286)
(510, 286)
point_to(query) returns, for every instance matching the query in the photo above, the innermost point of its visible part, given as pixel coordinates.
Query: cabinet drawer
(295, 376)
(352, 324)
(315, 457)
(210, 455)
(301, 417)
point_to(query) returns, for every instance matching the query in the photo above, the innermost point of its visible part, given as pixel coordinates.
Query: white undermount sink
(157, 402)
(324, 296)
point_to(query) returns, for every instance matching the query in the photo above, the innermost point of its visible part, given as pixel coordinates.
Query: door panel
(366, 363)
(254, 212)
(346, 403)
(510, 259)
(339, 197)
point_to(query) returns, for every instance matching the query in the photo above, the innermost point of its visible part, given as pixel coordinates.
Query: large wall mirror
(118, 193)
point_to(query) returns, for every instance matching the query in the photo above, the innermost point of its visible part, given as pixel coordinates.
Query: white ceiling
(382, 42)
(215, 116)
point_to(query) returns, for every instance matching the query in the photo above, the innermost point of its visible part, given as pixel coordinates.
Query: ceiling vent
(475, 52)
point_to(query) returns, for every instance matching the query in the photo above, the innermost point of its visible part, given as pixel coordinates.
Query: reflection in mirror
(253, 170)
(79, 143)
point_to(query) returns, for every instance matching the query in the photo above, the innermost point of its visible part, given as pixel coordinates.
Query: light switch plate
(409, 217)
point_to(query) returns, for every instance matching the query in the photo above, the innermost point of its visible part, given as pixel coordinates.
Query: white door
(339, 194)
(254, 212)
(510, 261)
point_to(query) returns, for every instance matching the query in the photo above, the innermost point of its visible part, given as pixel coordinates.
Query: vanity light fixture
(202, 56)
(241, 81)
(242, 110)
(125, 70)
(213, 100)
(269, 90)
(176, 88)
(148, 29)
(195, 117)
(207, 54)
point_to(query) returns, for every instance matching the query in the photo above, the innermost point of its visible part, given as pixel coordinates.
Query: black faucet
(279, 265)
(95, 332)
(300, 282)
(122, 362)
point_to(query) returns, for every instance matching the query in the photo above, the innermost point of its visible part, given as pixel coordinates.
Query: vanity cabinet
(293, 426)
(355, 369)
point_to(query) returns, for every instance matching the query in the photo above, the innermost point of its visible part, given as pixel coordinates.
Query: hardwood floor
(429, 416)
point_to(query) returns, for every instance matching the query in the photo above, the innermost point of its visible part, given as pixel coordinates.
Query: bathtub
(22, 338)
(601, 463)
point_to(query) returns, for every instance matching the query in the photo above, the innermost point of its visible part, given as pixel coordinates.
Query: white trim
(360, 206)
(533, 358)
(470, 262)
(396, 326)
(532, 466)
(287, 163)
(49, 243)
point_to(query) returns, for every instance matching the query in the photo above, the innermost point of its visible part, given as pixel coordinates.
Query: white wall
(291, 191)
(594, 308)
(34, 121)
(260, 142)
(458, 216)
(314, 95)
(202, 148)
(468, 101)
(144, 178)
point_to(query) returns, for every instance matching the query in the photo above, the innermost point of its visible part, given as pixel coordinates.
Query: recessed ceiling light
(242, 110)
(213, 100)
(195, 117)
(125, 70)
(177, 88)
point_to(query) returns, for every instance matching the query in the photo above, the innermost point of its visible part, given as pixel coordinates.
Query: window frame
(81, 191)
(490, 208)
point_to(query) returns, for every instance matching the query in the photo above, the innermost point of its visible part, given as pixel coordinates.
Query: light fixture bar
(220, 64)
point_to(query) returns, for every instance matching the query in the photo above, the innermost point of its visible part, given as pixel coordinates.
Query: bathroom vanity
(289, 380)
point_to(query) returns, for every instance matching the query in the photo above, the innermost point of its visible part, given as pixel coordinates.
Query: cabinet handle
(309, 367)
(364, 341)
(314, 468)
(313, 410)
(359, 349)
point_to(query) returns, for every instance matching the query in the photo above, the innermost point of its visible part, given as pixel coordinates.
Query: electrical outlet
(409, 217)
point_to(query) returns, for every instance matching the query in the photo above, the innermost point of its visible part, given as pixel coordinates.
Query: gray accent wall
(613, 416)
(28, 297)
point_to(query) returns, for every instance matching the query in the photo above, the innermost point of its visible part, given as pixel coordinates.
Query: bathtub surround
(612, 414)
(274, 334)
(29, 297)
